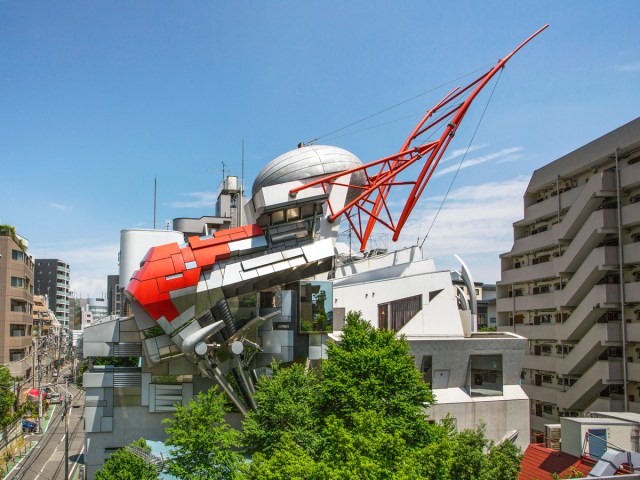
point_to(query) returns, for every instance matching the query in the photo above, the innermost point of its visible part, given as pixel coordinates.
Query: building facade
(16, 303)
(113, 294)
(52, 279)
(573, 276)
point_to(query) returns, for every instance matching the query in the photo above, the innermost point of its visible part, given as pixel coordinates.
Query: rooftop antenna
(240, 206)
(155, 191)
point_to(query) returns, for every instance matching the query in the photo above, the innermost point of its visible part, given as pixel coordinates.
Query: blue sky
(98, 97)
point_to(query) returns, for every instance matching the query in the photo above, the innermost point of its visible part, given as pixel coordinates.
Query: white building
(475, 376)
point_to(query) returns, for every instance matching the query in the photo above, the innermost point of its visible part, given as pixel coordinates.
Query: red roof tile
(540, 463)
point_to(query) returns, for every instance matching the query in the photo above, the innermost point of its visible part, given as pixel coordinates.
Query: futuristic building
(218, 308)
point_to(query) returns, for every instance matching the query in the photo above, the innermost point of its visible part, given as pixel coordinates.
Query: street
(45, 461)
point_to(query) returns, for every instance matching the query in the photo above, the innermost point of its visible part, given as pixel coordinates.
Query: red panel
(238, 235)
(163, 308)
(188, 279)
(158, 268)
(178, 262)
(187, 254)
(253, 230)
(161, 251)
(205, 257)
(146, 291)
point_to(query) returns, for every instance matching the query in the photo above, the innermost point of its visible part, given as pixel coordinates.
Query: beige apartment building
(16, 303)
(573, 275)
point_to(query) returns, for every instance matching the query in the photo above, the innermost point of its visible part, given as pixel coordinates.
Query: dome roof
(306, 162)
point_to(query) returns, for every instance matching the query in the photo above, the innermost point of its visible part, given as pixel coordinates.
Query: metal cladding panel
(261, 261)
(302, 163)
(318, 250)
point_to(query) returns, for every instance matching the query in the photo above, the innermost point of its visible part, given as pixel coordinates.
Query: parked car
(52, 395)
(28, 426)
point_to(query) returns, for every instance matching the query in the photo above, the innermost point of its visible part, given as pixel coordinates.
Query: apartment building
(52, 279)
(16, 303)
(573, 275)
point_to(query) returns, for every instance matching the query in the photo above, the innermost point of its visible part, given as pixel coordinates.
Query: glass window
(316, 307)
(277, 218)
(17, 255)
(293, 214)
(17, 282)
(485, 375)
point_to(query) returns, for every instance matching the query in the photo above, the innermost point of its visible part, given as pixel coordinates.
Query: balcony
(528, 272)
(546, 362)
(548, 207)
(545, 392)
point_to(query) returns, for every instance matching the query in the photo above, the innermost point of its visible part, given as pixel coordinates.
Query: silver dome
(306, 162)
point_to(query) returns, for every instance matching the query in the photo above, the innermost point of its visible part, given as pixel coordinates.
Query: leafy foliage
(288, 405)
(206, 446)
(361, 416)
(124, 465)
(372, 370)
(7, 397)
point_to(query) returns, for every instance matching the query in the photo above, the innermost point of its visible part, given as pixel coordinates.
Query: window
(316, 307)
(485, 375)
(17, 255)
(16, 354)
(17, 282)
(395, 315)
(427, 369)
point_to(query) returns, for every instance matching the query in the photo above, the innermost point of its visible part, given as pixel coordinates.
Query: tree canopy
(206, 446)
(125, 465)
(7, 397)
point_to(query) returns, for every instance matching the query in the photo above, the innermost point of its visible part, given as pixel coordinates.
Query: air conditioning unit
(552, 436)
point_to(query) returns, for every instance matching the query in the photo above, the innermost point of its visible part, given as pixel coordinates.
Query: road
(46, 460)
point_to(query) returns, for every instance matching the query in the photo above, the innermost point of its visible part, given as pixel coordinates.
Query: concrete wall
(501, 417)
(574, 430)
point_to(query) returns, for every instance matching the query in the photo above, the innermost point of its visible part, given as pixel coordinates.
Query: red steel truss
(370, 206)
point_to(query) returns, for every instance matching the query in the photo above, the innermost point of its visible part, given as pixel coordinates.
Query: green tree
(206, 446)
(287, 405)
(372, 370)
(503, 462)
(286, 462)
(125, 465)
(7, 397)
(469, 445)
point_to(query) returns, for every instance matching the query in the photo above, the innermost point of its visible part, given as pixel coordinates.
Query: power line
(394, 106)
(463, 158)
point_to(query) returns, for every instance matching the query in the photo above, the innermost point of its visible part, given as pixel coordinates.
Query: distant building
(16, 303)
(98, 308)
(571, 281)
(113, 294)
(52, 279)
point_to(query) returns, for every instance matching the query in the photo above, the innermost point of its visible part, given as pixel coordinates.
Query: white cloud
(504, 155)
(462, 151)
(200, 199)
(57, 206)
(89, 265)
(475, 223)
(629, 67)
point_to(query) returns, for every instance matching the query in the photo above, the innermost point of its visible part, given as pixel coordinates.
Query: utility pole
(66, 430)
(39, 380)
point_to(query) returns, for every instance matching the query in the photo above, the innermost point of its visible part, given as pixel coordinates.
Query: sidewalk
(14, 461)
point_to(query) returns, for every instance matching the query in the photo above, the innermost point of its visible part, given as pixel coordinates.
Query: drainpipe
(558, 195)
(622, 298)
